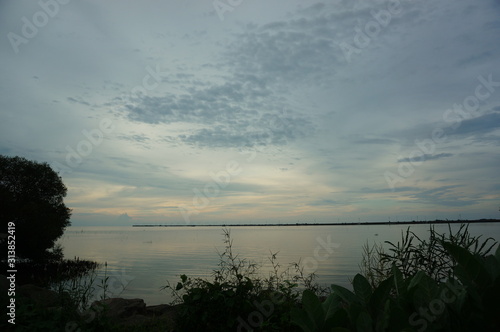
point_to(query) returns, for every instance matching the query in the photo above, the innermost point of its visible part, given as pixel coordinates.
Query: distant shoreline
(413, 222)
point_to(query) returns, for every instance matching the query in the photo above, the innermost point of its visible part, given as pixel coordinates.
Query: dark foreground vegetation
(33, 212)
(446, 282)
(45, 273)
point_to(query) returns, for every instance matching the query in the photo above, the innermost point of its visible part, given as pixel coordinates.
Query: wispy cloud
(480, 125)
(425, 157)
(451, 196)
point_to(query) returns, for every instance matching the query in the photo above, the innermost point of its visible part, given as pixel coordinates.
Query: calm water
(141, 260)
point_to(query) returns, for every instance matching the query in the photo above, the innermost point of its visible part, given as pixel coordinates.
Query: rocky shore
(119, 312)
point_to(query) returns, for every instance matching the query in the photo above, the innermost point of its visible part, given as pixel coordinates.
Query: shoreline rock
(129, 312)
(118, 311)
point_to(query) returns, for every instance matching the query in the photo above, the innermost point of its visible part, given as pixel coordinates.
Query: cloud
(217, 103)
(425, 157)
(375, 141)
(366, 190)
(479, 125)
(263, 61)
(134, 138)
(444, 196)
(326, 202)
(482, 128)
(301, 49)
(78, 101)
(238, 114)
(124, 219)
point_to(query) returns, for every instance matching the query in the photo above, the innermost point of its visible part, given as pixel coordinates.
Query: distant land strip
(413, 222)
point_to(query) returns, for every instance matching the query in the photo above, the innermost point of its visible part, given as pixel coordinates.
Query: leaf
(497, 253)
(399, 282)
(394, 316)
(490, 299)
(381, 294)
(196, 295)
(364, 322)
(417, 279)
(362, 288)
(313, 308)
(354, 310)
(384, 316)
(338, 318)
(425, 289)
(301, 319)
(472, 267)
(331, 305)
(492, 265)
(344, 294)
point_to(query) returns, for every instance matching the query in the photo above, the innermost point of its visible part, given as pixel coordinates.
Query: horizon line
(437, 221)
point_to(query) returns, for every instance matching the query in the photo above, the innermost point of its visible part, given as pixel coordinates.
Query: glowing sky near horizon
(240, 111)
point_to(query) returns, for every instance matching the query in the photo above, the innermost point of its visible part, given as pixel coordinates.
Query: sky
(237, 111)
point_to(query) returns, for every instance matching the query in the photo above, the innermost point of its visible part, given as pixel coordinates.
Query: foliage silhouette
(446, 283)
(238, 298)
(32, 199)
(413, 254)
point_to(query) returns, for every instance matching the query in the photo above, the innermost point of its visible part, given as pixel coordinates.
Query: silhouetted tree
(31, 196)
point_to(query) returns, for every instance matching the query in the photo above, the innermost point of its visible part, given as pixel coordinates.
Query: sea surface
(141, 260)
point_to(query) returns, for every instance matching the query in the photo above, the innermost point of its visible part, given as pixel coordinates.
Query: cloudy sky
(257, 111)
